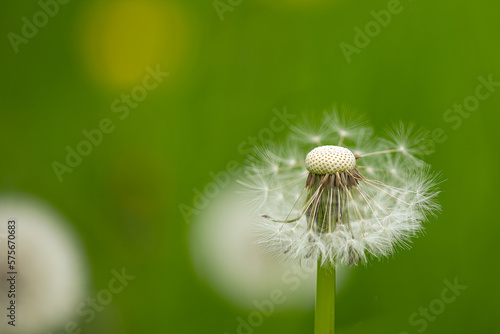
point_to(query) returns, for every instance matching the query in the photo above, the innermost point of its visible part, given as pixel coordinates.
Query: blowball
(335, 206)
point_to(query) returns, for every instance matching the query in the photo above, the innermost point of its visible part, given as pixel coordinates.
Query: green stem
(324, 320)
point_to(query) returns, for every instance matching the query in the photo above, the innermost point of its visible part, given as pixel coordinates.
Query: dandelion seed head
(317, 200)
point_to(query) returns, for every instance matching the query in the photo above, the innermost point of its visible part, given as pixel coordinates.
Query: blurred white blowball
(228, 257)
(52, 270)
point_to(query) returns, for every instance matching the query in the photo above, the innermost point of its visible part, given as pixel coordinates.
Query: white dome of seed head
(330, 160)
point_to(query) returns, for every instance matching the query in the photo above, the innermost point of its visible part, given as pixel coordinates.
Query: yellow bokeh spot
(119, 39)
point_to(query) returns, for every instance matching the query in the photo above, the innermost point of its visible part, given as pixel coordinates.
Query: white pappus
(339, 193)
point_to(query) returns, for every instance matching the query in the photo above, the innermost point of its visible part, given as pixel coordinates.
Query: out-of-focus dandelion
(228, 258)
(52, 270)
(338, 195)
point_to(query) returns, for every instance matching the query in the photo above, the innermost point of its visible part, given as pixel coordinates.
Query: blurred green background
(225, 78)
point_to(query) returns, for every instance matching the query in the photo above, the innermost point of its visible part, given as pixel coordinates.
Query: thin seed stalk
(324, 318)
